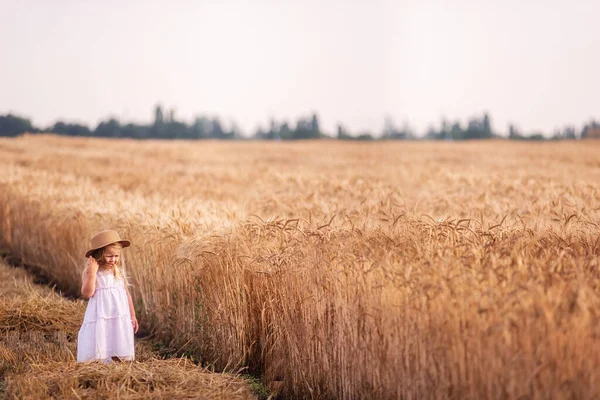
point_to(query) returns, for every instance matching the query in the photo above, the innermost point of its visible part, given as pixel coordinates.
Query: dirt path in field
(38, 339)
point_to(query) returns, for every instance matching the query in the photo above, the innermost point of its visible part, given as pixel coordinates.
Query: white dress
(107, 330)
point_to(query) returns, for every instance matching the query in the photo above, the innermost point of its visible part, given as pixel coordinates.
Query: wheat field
(388, 270)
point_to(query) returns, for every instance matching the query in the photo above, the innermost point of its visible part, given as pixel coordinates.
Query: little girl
(109, 322)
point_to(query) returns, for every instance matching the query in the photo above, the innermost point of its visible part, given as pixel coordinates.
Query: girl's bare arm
(88, 279)
(134, 320)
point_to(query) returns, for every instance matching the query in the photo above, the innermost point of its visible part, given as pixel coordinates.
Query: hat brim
(124, 243)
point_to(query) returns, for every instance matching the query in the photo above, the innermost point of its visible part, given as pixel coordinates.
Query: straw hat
(104, 238)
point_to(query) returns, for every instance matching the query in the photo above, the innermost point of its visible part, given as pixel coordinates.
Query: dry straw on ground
(338, 270)
(36, 325)
(154, 379)
(38, 332)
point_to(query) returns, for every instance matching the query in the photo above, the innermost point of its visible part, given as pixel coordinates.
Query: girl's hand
(134, 322)
(92, 264)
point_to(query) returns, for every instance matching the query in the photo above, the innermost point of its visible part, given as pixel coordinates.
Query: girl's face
(111, 255)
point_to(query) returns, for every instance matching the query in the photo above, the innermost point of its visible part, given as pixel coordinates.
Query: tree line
(166, 126)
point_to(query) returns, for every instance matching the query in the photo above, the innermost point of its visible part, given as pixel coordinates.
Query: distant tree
(306, 128)
(364, 136)
(587, 128)
(569, 133)
(70, 129)
(158, 129)
(513, 133)
(216, 130)
(390, 131)
(445, 132)
(342, 133)
(285, 133)
(537, 136)
(456, 131)
(474, 129)
(303, 129)
(11, 125)
(273, 132)
(557, 135)
(479, 128)
(200, 128)
(110, 128)
(176, 130)
(406, 132)
(135, 131)
(315, 130)
(234, 131)
(158, 115)
(487, 126)
(432, 133)
(260, 133)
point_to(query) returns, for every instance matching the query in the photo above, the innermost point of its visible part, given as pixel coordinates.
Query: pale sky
(533, 63)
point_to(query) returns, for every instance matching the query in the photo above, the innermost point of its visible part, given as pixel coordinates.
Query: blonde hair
(119, 269)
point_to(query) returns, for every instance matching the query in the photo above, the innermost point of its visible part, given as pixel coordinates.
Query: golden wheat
(337, 270)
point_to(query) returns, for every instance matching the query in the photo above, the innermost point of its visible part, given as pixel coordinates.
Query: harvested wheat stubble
(38, 332)
(36, 325)
(156, 379)
(41, 313)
